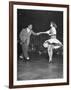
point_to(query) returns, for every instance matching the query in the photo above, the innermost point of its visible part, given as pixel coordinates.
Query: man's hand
(38, 33)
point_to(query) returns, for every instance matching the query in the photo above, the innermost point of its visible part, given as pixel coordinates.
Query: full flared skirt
(53, 41)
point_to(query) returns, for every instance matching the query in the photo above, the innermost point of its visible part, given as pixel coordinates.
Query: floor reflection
(40, 68)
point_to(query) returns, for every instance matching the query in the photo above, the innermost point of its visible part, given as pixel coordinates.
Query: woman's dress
(53, 40)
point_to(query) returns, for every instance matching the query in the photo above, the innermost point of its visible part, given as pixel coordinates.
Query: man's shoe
(21, 57)
(26, 59)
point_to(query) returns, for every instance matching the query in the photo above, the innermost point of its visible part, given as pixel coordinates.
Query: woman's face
(51, 25)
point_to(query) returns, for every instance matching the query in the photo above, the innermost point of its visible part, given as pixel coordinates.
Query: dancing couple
(49, 44)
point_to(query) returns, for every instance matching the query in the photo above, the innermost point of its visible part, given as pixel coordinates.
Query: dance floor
(39, 68)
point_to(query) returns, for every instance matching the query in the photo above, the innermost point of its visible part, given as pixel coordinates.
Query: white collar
(28, 30)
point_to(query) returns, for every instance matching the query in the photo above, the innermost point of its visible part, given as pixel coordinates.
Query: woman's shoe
(50, 61)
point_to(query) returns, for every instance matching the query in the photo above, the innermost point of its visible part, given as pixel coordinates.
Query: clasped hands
(38, 33)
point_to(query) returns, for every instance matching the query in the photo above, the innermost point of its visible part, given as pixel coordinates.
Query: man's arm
(34, 33)
(21, 35)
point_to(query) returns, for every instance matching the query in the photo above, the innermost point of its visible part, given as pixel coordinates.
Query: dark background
(39, 67)
(41, 22)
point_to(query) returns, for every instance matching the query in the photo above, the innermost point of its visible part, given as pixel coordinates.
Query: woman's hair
(54, 24)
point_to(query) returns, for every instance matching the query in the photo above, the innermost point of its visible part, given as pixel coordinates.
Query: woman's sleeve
(48, 31)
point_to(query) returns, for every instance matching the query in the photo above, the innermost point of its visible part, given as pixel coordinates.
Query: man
(25, 40)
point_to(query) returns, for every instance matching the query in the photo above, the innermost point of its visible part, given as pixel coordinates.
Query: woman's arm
(46, 32)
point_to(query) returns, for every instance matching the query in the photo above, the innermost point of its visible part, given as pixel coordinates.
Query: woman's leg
(50, 52)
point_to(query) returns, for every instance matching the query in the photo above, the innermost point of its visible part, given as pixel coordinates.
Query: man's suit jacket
(25, 35)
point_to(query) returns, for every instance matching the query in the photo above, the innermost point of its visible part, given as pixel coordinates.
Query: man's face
(30, 27)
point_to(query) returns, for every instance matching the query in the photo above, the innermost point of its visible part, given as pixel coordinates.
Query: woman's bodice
(52, 31)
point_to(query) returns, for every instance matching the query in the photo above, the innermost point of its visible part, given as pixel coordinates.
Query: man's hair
(30, 25)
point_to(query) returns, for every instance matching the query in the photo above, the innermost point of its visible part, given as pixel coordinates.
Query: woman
(53, 42)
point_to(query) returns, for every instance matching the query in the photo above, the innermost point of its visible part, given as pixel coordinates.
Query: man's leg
(25, 51)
